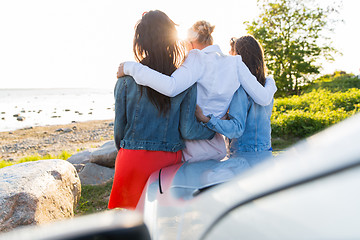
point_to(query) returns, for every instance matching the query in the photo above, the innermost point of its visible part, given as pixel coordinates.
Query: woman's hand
(200, 116)
(120, 72)
(225, 117)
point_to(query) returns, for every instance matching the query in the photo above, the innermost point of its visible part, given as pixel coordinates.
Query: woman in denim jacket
(149, 127)
(248, 127)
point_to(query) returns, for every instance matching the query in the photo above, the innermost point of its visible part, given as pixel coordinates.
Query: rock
(105, 155)
(93, 174)
(38, 192)
(79, 167)
(67, 130)
(81, 157)
(20, 118)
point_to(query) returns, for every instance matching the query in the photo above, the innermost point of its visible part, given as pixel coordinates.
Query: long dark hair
(253, 56)
(157, 46)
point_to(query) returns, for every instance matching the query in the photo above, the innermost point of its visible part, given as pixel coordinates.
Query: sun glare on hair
(182, 32)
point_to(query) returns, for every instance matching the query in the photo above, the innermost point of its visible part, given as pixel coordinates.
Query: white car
(311, 191)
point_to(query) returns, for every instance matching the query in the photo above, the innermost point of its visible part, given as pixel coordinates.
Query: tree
(293, 34)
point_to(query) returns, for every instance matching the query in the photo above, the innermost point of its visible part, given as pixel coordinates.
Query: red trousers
(132, 170)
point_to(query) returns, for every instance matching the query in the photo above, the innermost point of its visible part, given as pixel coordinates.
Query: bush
(302, 116)
(337, 82)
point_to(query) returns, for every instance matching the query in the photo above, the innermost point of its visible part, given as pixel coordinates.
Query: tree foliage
(293, 34)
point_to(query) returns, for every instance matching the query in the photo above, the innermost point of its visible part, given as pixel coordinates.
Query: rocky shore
(43, 191)
(54, 139)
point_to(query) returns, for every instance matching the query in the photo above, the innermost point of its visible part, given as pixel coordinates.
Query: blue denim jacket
(249, 127)
(138, 124)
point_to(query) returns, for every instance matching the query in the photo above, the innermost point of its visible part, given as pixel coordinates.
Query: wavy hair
(252, 55)
(157, 46)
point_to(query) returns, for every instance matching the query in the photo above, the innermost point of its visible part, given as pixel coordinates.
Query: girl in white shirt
(218, 76)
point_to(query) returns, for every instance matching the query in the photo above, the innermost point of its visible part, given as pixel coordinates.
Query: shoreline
(53, 139)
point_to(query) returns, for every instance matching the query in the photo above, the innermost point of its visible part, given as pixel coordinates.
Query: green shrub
(337, 82)
(302, 116)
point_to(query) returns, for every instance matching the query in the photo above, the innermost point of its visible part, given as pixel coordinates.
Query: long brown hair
(157, 46)
(253, 56)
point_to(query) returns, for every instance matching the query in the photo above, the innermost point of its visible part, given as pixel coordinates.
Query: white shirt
(218, 76)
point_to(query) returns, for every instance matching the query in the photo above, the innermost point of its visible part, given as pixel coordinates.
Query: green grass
(4, 163)
(94, 198)
(279, 144)
(63, 155)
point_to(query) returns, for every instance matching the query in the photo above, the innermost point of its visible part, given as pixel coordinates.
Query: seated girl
(149, 127)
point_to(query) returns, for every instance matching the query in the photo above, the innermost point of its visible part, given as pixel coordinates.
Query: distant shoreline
(24, 108)
(53, 139)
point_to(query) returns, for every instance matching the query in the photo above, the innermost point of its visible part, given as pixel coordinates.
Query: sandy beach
(54, 139)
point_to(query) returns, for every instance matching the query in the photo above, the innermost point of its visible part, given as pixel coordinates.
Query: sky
(80, 43)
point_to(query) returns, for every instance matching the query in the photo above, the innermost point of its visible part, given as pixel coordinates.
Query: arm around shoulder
(181, 79)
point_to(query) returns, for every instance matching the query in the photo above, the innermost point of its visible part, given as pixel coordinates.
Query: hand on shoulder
(120, 73)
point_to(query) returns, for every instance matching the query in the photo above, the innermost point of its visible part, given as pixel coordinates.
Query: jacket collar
(213, 48)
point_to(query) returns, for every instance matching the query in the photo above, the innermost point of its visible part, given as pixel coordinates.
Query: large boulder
(105, 155)
(38, 192)
(93, 174)
(81, 157)
(95, 165)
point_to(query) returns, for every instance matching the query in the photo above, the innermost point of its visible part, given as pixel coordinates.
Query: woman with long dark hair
(149, 127)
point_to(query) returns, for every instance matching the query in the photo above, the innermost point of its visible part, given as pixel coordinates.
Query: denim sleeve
(234, 127)
(190, 128)
(120, 111)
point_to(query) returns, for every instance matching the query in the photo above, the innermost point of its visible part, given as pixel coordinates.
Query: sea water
(40, 107)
